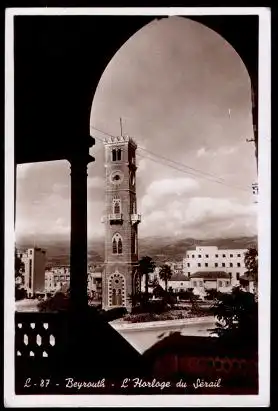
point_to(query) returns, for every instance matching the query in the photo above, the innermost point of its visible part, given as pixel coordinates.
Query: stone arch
(246, 50)
(116, 290)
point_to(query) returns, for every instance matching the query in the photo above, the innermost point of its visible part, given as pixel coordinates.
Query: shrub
(20, 294)
(237, 315)
(59, 302)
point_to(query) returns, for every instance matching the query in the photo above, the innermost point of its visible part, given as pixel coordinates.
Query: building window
(199, 264)
(216, 264)
(227, 283)
(237, 276)
(239, 255)
(194, 283)
(181, 284)
(199, 256)
(188, 273)
(220, 283)
(188, 264)
(216, 255)
(224, 255)
(117, 206)
(117, 244)
(231, 255)
(206, 264)
(231, 264)
(116, 154)
(223, 264)
(193, 255)
(238, 264)
(201, 283)
(207, 256)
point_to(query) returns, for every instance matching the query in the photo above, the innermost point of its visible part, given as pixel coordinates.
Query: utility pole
(255, 187)
(121, 126)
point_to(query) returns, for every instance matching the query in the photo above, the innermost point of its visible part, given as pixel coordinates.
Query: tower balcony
(118, 217)
(135, 218)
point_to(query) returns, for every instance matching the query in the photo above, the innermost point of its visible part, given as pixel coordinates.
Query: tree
(165, 274)
(193, 299)
(146, 266)
(20, 293)
(212, 294)
(18, 265)
(237, 315)
(251, 263)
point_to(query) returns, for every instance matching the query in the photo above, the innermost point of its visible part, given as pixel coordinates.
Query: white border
(11, 400)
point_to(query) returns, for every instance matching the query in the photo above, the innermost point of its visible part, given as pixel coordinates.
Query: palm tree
(251, 263)
(165, 274)
(146, 266)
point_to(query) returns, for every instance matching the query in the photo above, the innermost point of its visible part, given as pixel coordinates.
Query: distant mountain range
(161, 249)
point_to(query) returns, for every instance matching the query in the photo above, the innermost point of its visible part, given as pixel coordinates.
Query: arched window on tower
(116, 206)
(120, 246)
(119, 154)
(117, 244)
(114, 155)
(116, 290)
(114, 297)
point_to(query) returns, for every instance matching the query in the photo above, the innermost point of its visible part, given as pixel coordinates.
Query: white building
(34, 260)
(211, 258)
(178, 283)
(176, 267)
(207, 280)
(56, 278)
(95, 285)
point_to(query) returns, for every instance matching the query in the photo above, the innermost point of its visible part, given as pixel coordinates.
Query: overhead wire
(175, 164)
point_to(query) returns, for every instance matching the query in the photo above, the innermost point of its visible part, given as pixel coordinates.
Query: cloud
(162, 191)
(95, 182)
(177, 186)
(200, 217)
(221, 151)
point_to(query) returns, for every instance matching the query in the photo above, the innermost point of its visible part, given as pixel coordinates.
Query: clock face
(116, 177)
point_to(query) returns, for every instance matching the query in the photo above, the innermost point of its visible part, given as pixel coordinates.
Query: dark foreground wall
(56, 352)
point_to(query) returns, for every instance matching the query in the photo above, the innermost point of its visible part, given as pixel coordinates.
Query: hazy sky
(183, 94)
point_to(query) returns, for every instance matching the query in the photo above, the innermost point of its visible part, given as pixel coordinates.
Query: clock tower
(120, 278)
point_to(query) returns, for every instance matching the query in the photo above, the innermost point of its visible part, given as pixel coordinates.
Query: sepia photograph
(137, 192)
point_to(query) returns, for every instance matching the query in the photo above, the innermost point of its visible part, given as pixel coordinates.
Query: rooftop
(178, 277)
(210, 275)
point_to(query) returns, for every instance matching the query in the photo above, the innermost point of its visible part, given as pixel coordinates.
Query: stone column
(78, 237)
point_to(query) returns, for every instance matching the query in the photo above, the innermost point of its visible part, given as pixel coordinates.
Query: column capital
(80, 160)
